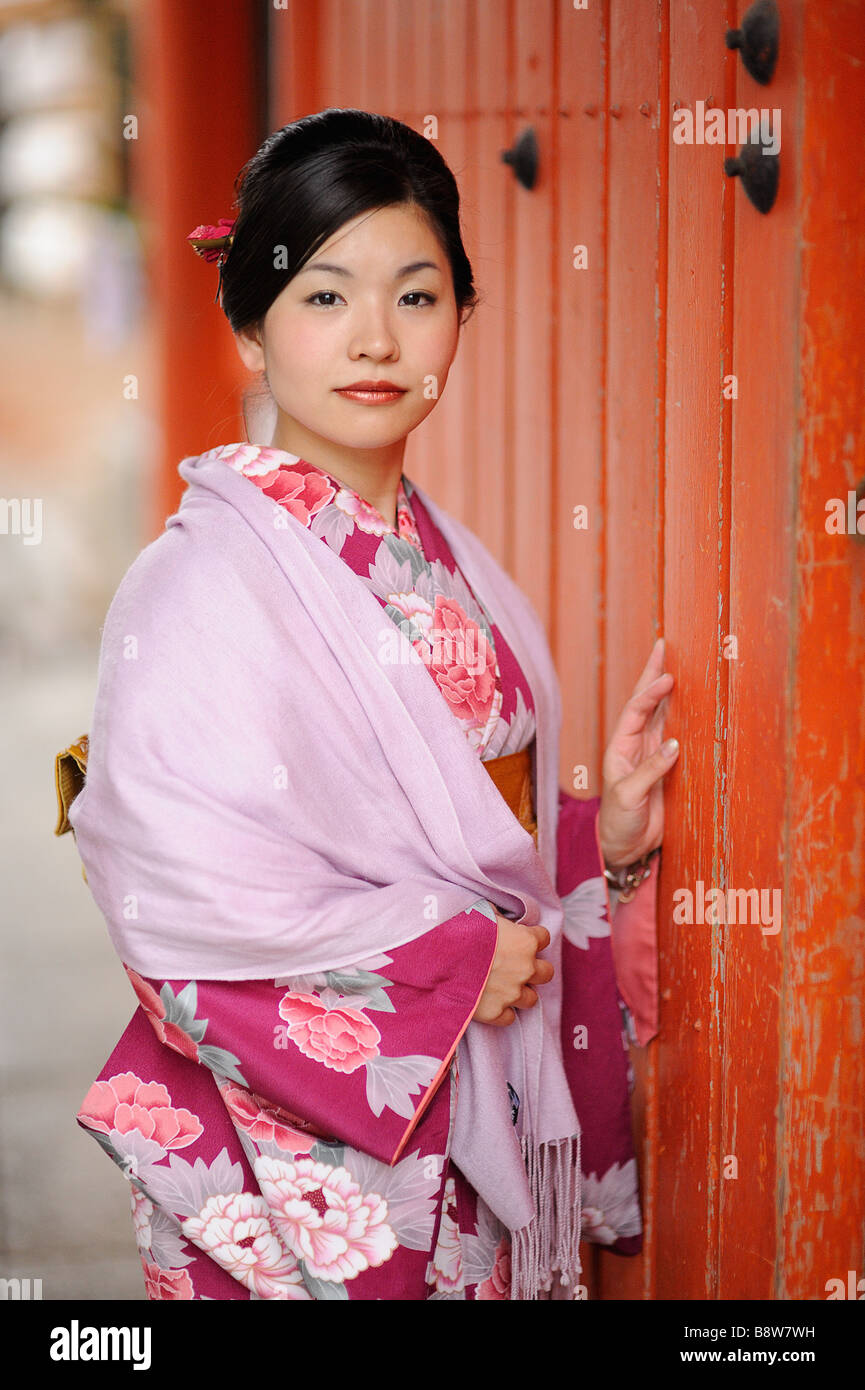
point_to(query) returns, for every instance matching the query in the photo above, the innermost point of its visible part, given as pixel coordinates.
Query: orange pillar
(198, 102)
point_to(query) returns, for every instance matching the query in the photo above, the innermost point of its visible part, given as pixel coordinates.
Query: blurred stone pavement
(64, 1001)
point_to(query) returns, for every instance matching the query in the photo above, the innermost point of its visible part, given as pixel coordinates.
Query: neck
(373, 473)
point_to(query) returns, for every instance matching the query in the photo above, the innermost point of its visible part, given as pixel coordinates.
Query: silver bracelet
(626, 881)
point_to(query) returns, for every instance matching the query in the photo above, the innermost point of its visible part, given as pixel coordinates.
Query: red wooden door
(693, 378)
(608, 387)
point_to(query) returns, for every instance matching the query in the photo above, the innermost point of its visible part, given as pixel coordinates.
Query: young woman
(378, 1052)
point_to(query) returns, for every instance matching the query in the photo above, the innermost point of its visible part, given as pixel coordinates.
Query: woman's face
(384, 310)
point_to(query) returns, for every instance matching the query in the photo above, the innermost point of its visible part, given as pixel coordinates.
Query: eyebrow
(411, 269)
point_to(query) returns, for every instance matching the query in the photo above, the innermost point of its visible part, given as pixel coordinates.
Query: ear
(250, 350)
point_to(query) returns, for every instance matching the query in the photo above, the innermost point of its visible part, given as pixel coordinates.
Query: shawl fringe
(550, 1244)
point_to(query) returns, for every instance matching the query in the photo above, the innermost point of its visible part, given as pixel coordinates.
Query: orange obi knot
(70, 769)
(513, 777)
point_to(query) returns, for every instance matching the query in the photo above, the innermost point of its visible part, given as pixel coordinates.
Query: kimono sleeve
(355, 1054)
(631, 925)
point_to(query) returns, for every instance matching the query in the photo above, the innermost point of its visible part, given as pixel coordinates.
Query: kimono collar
(304, 489)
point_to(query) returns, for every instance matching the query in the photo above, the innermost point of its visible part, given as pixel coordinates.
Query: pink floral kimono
(290, 1138)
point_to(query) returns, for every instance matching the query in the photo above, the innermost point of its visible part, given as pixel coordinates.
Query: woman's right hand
(515, 970)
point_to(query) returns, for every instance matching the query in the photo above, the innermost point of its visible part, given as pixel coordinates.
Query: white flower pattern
(610, 1205)
(586, 912)
(446, 1268)
(324, 1217)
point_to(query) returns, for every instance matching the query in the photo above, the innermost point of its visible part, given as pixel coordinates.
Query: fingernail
(670, 748)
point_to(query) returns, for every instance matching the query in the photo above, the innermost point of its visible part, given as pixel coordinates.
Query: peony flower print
(303, 491)
(480, 1249)
(406, 525)
(235, 1230)
(586, 912)
(124, 1104)
(244, 458)
(170, 1284)
(498, 1285)
(399, 569)
(337, 1230)
(414, 609)
(461, 661)
(142, 1211)
(341, 1038)
(367, 988)
(166, 1031)
(446, 1268)
(182, 1188)
(333, 527)
(510, 735)
(263, 1122)
(173, 1019)
(451, 584)
(410, 1188)
(365, 517)
(392, 1081)
(299, 487)
(157, 1234)
(611, 1204)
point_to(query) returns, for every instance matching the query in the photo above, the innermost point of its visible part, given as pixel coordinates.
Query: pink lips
(372, 392)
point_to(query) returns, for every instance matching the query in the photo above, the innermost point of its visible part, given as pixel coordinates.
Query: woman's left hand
(631, 819)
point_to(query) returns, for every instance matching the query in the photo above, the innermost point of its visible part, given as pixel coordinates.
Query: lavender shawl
(266, 796)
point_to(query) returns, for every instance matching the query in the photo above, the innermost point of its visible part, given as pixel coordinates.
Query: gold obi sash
(70, 768)
(513, 777)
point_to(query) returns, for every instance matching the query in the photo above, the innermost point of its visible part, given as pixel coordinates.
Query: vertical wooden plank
(444, 79)
(633, 470)
(578, 338)
(691, 1043)
(528, 382)
(756, 628)
(434, 458)
(821, 1129)
(578, 189)
(579, 211)
(484, 454)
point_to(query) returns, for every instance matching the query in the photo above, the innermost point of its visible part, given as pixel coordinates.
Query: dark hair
(310, 178)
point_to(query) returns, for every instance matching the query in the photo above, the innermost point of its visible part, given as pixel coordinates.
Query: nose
(372, 334)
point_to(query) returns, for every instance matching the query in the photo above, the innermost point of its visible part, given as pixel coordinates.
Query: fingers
(637, 785)
(638, 731)
(527, 999)
(647, 694)
(543, 937)
(642, 705)
(544, 972)
(517, 972)
(655, 722)
(653, 667)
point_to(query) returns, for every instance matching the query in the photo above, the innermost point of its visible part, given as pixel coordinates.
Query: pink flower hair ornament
(213, 242)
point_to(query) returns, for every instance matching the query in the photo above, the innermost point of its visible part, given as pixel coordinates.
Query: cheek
(438, 347)
(296, 351)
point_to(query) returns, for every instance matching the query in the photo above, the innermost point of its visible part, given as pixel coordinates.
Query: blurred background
(650, 347)
(73, 319)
